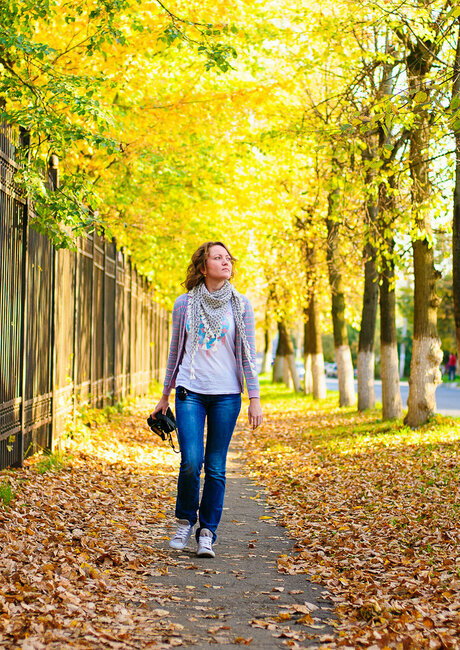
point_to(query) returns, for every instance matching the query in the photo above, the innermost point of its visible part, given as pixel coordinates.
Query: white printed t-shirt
(214, 363)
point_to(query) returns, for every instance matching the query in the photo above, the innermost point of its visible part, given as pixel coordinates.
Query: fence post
(92, 330)
(104, 331)
(53, 183)
(159, 343)
(133, 329)
(124, 364)
(115, 328)
(125, 351)
(127, 332)
(131, 322)
(76, 320)
(145, 357)
(151, 368)
(25, 142)
(25, 256)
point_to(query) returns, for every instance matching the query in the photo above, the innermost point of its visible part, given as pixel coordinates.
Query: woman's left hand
(255, 414)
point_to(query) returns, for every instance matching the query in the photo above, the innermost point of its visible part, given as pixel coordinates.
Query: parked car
(330, 369)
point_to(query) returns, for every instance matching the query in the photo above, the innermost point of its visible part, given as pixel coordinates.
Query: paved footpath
(239, 597)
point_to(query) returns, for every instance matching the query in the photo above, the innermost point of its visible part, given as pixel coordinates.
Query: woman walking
(212, 349)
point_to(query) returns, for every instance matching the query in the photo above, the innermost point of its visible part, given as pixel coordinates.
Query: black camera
(162, 424)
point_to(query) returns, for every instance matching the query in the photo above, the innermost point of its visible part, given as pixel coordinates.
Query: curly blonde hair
(198, 264)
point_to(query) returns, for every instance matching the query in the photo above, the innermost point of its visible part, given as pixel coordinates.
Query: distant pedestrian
(212, 348)
(452, 366)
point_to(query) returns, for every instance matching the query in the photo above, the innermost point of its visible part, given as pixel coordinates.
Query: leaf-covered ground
(76, 544)
(375, 509)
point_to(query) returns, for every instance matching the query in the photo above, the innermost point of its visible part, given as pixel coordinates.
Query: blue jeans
(222, 412)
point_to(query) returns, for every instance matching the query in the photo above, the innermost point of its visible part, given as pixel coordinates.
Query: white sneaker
(205, 544)
(182, 535)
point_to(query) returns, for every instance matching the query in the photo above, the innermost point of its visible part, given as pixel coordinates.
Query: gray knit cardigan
(177, 347)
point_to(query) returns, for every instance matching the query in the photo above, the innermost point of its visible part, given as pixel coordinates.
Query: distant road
(447, 397)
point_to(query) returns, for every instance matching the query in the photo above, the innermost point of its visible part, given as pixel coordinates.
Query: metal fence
(76, 327)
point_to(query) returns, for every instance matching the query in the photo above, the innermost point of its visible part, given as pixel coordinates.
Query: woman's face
(219, 263)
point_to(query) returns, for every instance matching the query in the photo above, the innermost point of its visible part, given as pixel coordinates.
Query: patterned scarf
(209, 309)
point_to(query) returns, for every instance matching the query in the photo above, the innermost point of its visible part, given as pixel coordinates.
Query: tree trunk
(290, 356)
(278, 363)
(287, 379)
(285, 351)
(456, 223)
(392, 406)
(267, 358)
(315, 349)
(366, 361)
(315, 379)
(391, 395)
(342, 349)
(308, 379)
(426, 350)
(366, 357)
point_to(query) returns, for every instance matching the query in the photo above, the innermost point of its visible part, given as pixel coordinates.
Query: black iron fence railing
(76, 327)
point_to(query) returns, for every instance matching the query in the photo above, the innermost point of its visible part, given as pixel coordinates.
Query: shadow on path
(239, 597)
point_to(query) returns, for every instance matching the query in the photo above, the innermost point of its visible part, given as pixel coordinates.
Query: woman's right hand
(162, 406)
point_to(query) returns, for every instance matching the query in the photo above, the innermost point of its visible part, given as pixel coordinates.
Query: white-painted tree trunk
(293, 373)
(318, 376)
(299, 339)
(266, 362)
(392, 406)
(425, 376)
(402, 352)
(366, 387)
(347, 396)
(286, 373)
(308, 378)
(278, 369)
